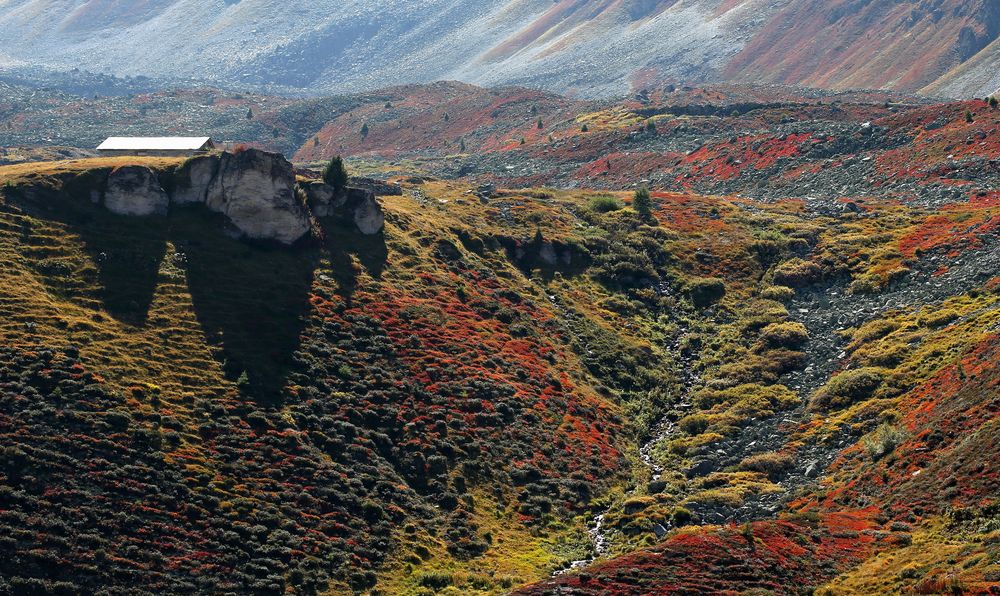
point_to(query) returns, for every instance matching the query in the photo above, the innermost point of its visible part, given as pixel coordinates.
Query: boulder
(136, 191)
(355, 205)
(323, 199)
(379, 187)
(256, 192)
(194, 178)
(365, 211)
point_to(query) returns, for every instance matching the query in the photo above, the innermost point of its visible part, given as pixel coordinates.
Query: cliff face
(255, 190)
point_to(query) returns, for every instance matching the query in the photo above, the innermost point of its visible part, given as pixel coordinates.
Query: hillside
(732, 394)
(585, 48)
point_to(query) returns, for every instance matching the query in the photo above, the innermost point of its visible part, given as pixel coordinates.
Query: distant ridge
(587, 48)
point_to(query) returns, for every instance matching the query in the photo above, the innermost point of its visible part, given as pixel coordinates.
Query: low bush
(695, 424)
(883, 440)
(797, 273)
(847, 388)
(939, 318)
(604, 204)
(706, 291)
(779, 293)
(784, 335)
(773, 465)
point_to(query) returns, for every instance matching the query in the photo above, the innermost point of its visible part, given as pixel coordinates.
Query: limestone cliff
(255, 190)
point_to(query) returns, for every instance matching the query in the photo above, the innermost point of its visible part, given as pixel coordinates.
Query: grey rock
(135, 191)
(256, 192)
(356, 205)
(379, 187)
(367, 213)
(194, 178)
(323, 199)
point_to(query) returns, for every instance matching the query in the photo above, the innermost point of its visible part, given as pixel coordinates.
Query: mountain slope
(726, 395)
(868, 44)
(583, 47)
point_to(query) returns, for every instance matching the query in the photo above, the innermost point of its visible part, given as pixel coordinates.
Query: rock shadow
(341, 242)
(251, 300)
(126, 251)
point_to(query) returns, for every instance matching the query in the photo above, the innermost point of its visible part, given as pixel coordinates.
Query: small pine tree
(968, 116)
(650, 126)
(315, 141)
(584, 128)
(993, 102)
(250, 113)
(540, 125)
(446, 117)
(643, 203)
(335, 173)
(522, 141)
(364, 130)
(461, 145)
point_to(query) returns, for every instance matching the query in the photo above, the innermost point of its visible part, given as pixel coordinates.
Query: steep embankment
(450, 403)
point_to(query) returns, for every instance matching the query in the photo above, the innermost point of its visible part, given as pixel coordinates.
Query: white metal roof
(153, 143)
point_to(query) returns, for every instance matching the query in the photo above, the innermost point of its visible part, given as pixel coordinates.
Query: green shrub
(706, 291)
(797, 273)
(695, 424)
(939, 318)
(874, 330)
(784, 335)
(681, 516)
(779, 293)
(883, 440)
(435, 580)
(604, 204)
(643, 203)
(847, 388)
(772, 464)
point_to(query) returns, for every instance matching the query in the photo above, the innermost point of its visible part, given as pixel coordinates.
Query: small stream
(661, 431)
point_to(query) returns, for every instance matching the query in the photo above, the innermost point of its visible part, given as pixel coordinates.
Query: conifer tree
(335, 173)
(642, 203)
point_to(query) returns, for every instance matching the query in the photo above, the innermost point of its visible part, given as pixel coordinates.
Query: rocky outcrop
(255, 190)
(194, 178)
(323, 199)
(365, 211)
(356, 205)
(136, 191)
(379, 187)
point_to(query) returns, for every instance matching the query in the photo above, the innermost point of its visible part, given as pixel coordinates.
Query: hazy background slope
(584, 47)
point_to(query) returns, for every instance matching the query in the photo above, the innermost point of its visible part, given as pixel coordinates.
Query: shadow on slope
(251, 301)
(341, 242)
(125, 252)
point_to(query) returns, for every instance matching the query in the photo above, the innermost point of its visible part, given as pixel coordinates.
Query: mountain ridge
(589, 48)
